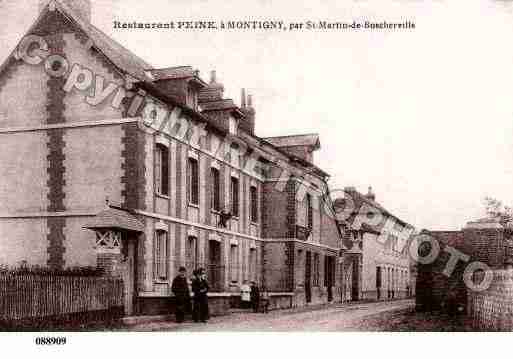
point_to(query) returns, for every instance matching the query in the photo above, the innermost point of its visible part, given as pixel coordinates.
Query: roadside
(332, 317)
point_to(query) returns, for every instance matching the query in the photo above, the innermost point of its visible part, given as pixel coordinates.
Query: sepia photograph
(266, 166)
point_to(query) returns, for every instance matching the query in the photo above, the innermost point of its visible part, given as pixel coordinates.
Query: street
(380, 316)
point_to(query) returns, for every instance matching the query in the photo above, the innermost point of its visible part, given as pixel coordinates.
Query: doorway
(355, 290)
(214, 266)
(308, 276)
(129, 253)
(329, 272)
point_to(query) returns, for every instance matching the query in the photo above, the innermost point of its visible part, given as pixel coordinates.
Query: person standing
(195, 303)
(264, 300)
(245, 295)
(200, 290)
(255, 297)
(180, 289)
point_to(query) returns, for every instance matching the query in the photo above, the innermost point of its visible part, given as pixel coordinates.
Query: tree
(497, 210)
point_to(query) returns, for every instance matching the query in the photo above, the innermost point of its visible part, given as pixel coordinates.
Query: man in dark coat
(200, 290)
(180, 289)
(255, 297)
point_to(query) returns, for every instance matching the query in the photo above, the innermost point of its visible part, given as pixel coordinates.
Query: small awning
(115, 218)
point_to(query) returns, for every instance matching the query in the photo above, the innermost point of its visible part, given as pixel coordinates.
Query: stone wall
(492, 309)
(435, 290)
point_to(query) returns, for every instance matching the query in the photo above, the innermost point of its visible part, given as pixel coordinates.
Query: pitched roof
(115, 218)
(120, 56)
(359, 199)
(177, 72)
(129, 63)
(219, 105)
(311, 139)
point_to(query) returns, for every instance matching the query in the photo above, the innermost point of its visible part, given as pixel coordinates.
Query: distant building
(382, 257)
(106, 183)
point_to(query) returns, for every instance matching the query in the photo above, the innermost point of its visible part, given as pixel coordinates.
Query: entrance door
(328, 276)
(214, 265)
(130, 273)
(308, 276)
(355, 288)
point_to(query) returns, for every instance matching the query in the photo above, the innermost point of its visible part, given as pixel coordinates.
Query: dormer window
(192, 97)
(232, 126)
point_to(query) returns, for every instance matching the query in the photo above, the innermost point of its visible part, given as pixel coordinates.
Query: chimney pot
(250, 101)
(370, 194)
(243, 99)
(213, 77)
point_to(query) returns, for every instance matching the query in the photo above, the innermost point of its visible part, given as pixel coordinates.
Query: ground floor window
(161, 254)
(234, 264)
(191, 252)
(316, 269)
(215, 269)
(252, 264)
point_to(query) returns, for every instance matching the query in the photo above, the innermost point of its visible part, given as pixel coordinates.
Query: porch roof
(115, 218)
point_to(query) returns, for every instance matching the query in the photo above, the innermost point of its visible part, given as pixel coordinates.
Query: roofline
(316, 146)
(302, 134)
(152, 88)
(380, 208)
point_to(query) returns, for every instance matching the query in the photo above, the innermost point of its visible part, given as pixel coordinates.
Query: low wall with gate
(492, 309)
(36, 301)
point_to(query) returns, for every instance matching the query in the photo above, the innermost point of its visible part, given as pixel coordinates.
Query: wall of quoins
(492, 309)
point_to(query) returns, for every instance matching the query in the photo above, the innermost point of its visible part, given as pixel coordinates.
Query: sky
(423, 116)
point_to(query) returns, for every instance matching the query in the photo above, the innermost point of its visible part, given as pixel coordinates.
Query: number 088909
(50, 340)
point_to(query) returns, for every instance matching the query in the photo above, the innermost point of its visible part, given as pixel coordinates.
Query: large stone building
(106, 161)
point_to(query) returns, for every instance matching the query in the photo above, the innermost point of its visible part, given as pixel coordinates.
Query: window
(233, 126)
(378, 277)
(192, 98)
(235, 196)
(316, 273)
(252, 264)
(234, 266)
(309, 211)
(161, 256)
(193, 181)
(162, 169)
(254, 204)
(215, 190)
(191, 253)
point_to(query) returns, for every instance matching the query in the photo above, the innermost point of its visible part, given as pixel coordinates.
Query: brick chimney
(248, 123)
(370, 194)
(81, 7)
(213, 92)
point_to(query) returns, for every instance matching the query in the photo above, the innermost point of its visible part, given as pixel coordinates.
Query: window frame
(162, 183)
(235, 196)
(192, 253)
(309, 212)
(253, 198)
(161, 255)
(316, 270)
(232, 125)
(234, 263)
(215, 189)
(193, 182)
